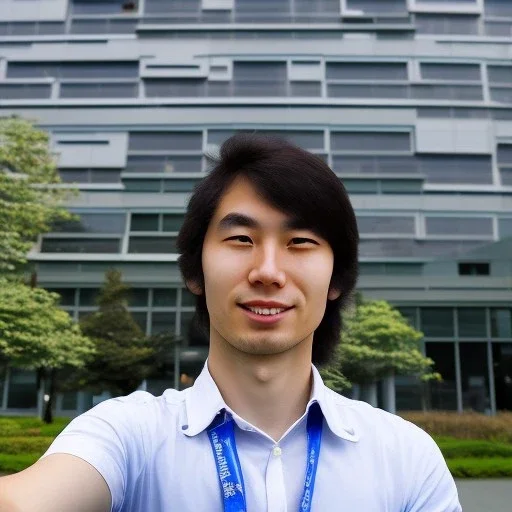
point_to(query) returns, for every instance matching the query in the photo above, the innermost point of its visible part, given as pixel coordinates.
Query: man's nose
(267, 269)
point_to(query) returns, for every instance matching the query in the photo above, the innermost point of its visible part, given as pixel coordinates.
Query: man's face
(266, 279)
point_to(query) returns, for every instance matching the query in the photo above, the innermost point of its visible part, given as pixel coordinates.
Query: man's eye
(241, 238)
(301, 241)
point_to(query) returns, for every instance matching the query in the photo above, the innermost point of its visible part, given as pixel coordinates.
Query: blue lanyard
(222, 438)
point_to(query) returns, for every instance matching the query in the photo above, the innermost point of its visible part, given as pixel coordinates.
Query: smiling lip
(264, 304)
(264, 319)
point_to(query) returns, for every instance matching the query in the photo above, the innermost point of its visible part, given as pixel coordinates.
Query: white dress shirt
(155, 455)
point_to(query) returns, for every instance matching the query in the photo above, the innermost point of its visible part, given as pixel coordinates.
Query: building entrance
(502, 360)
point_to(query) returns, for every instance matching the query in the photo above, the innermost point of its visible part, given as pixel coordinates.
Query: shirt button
(277, 451)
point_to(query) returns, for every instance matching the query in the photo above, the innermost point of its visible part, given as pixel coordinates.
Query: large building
(409, 101)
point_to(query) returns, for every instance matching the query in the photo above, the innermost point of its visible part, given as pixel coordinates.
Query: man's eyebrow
(237, 220)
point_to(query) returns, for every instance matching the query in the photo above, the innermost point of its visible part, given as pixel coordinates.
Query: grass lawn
(474, 446)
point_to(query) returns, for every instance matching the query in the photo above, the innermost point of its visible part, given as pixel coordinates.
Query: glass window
(93, 223)
(163, 297)
(450, 71)
(25, 91)
(105, 175)
(446, 24)
(305, 89)
(500, 74)
(163, 322)
(188, 299)
(456, 168)
(474, 269)
(474, 376)
(139, 297)
(93, 90)
(505, 154)
(32, 69)
(221, 89)
(175, 87)
(506, 177)
(259, 78)
(501, 322)
(437, 322)
(446, 92)
(166, 141)
(22, 389)
(163, 163)
(152, 245)
(366, 71)
(179, 185)
(370, 141)
(219, 136)
(472, 322)
(74, 175)
(469, 226)
(381, 164)
(176, 7)
(499, 28)
(101, 7)
(141, 318)
(69, 401)
(501, 94)
(442, 395)
(378, 6)
(409, 314)
(143, 185)
(88, 296)
(367, 91)
(80, 245)
(187, 317)
(498, 8)
(172, 222)
(505, 227)
(385, 224)
(144, 222)
(100, 69)
(67, 295)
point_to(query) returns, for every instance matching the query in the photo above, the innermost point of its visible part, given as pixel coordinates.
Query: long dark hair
(295, 182)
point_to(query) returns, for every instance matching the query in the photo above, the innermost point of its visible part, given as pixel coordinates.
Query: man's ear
(194, 287)
(333, 294)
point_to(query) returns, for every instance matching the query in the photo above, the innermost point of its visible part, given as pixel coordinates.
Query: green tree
(30, 198)
(35, 334)
(377, 341)
(124, 356)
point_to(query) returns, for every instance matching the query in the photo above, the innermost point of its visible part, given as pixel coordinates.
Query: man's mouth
(264, 311)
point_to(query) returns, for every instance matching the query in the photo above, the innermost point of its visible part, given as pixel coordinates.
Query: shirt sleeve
(433, 488)
(109, 438)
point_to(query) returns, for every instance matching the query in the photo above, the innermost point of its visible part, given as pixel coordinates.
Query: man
(269, 246)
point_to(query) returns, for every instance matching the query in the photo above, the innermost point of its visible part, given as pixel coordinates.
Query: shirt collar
(203, 402)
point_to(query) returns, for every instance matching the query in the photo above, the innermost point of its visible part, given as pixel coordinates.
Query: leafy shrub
(469, 425)
(462, 448)
(23, 445)
(480, 468)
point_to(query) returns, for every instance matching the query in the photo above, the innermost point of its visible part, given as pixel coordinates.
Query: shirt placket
(274, 479)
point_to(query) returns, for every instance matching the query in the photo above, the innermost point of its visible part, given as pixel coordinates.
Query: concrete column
(369, 393)
(389, 394)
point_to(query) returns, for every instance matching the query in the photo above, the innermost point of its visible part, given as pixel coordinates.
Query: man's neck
(270, 392)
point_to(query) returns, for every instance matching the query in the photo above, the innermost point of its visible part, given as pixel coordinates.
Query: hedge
(496, 467)
(470, 425)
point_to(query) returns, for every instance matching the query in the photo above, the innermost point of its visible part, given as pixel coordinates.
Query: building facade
(409, 101)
